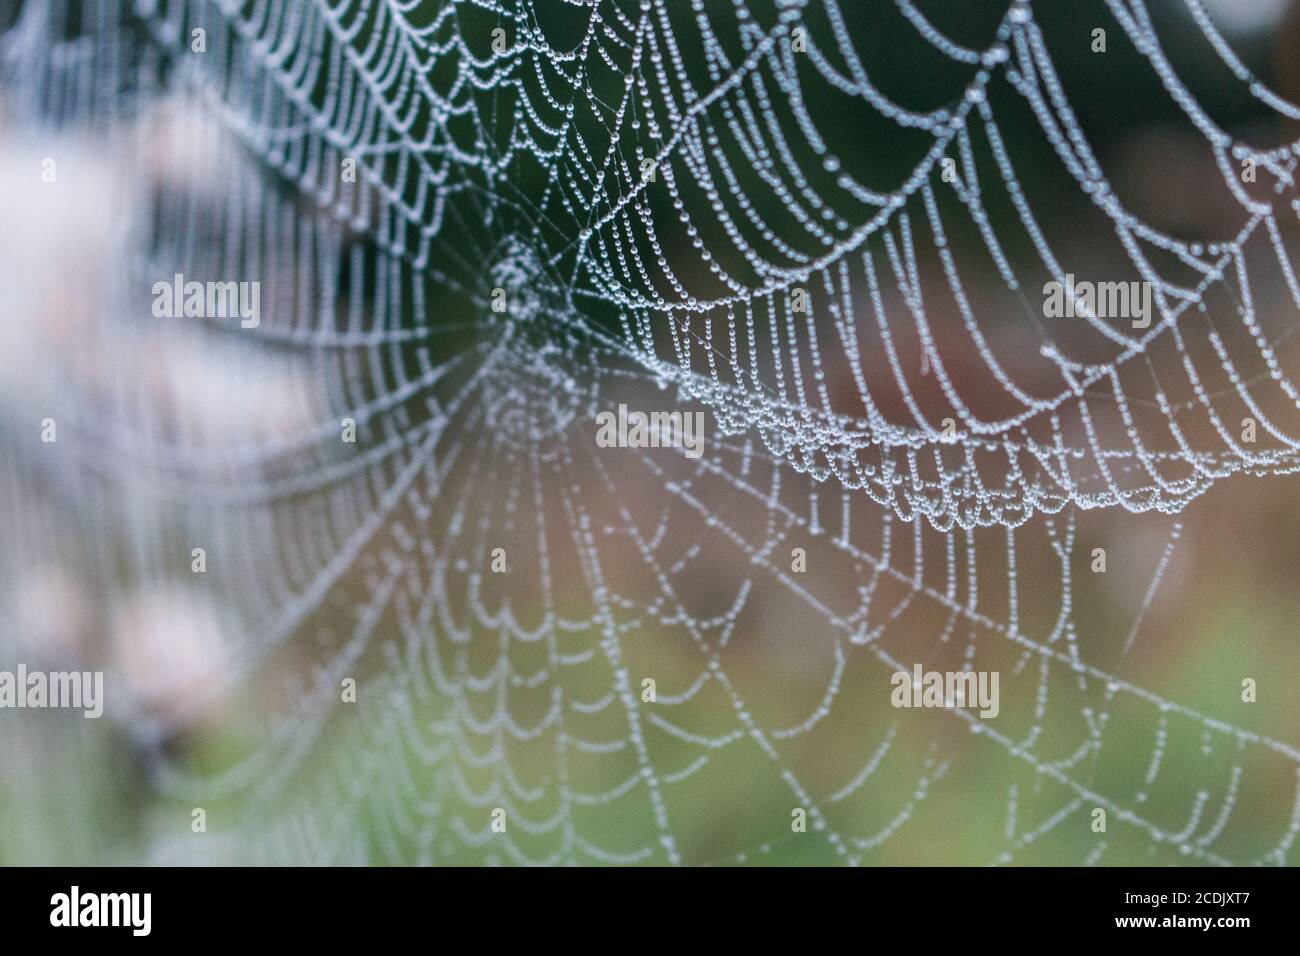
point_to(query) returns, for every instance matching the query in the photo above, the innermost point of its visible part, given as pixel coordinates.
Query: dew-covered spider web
(825, 225)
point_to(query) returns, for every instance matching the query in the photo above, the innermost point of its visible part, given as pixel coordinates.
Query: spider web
(722, 207)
